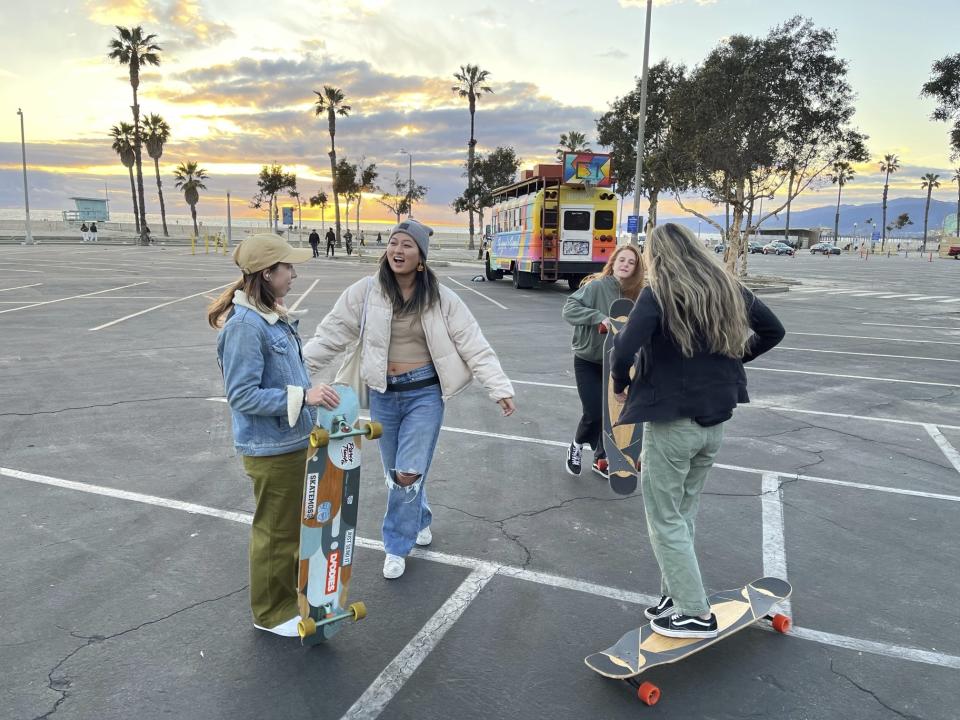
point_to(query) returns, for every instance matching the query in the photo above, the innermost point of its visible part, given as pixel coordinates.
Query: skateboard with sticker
(328, 519)
(641, 649)
(622, 443)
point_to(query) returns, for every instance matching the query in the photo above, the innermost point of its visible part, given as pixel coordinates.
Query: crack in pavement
(62, 684)
(871, 693)
(104, 405)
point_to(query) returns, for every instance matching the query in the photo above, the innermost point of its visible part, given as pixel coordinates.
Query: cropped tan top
(408, 343)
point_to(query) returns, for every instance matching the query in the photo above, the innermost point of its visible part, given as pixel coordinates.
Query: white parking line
(774, 543)
(485, 297)
(949, 450)
(845, 416)
(922, 327)
(902, 295)
(867, 337)
(480, 567)
(865, 293)
(847, 352)
(853, 377)
(951, 300)
(305, 293)
(928, 297)
(72, 297)
(155, 307)
(20, 287)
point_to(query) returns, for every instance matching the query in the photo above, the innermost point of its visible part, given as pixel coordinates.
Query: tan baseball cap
(258, 252)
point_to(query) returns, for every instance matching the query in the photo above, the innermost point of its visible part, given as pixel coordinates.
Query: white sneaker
(286, 629)
(393, 566)
(424, 537)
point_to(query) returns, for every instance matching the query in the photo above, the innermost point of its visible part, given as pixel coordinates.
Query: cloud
(179, 24)
(613, 54)
(643, 3)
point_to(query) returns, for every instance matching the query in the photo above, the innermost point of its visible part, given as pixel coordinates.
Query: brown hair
(257, 289)
(632, 285)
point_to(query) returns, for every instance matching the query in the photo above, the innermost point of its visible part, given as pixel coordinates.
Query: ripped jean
(411, 422)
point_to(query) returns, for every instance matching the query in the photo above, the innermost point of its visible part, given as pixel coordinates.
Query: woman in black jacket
(690, 332)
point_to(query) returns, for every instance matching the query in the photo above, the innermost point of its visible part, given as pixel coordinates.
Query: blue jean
(411, 425)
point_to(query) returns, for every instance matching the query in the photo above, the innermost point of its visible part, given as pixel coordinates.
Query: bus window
(576, 220)
(549, 218)
(603, 220)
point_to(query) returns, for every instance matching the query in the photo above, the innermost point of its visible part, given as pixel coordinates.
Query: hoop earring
(420, 267)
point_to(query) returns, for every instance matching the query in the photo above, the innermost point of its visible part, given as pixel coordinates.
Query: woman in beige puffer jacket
(420, 345)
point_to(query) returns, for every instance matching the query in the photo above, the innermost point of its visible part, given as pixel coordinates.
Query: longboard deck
(641, 649)
(622, 443)
(328, 518)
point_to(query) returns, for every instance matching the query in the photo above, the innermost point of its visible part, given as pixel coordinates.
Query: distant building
(88, 209)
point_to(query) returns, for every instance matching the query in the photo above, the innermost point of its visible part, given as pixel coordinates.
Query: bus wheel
(522, 280)
(574, 281)
(490, 273)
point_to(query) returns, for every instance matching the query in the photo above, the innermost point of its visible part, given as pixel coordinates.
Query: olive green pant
(676, 458)
(275, 536)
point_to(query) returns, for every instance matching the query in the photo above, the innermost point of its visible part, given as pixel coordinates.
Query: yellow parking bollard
(193, 244)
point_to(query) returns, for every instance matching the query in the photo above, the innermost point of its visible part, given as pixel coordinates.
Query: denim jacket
(265, 379)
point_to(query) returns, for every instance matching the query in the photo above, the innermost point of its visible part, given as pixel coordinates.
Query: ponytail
(218, 310)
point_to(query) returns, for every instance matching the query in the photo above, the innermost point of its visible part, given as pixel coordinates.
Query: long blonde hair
(632, 285)
(702, 304)
(258, 292)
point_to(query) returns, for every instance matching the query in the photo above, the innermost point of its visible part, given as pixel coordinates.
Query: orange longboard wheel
(359, 610)
(319, 437)
(648, 693)
(781, 623)
(306, 627)
(374, 430)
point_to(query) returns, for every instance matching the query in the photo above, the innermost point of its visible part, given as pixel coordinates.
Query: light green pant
(676, 457)
(275, 535)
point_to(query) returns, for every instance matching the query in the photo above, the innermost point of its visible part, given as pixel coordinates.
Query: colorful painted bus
(558, 222)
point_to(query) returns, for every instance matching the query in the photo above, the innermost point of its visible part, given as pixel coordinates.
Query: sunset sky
(237, 77)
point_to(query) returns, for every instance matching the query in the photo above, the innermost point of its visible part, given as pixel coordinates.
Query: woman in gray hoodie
(586, 310)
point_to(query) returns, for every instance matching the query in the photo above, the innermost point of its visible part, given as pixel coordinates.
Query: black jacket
(314, 238)
(668, 386)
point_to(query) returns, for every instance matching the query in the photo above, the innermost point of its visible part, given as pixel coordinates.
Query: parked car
(755, 247)
(954, 252)
(777, 248)
(720, 247)
(824, 248)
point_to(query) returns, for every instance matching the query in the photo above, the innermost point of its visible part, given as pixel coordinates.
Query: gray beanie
(418, 231)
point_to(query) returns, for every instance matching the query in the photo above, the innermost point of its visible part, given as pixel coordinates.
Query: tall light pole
(634, 237)
(409, 182)
(26, 195)
(229, 223)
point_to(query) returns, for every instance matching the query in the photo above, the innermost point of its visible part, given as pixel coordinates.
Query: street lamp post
(229, 223)
(26, 195)
(634, 237)
(409, 181)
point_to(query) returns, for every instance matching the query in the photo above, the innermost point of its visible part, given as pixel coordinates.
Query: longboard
(641, 649)
(328, 519)
(622, 443)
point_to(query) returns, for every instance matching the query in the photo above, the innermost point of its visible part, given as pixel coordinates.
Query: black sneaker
(574, 459)
(601, 467)
(661, 609)
(685, 626)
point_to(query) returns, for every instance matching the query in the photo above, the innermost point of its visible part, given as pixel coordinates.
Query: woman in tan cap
(420, 345)
(269, 393)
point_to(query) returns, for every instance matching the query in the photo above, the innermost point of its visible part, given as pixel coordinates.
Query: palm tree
(470, 85)
(132, 48)
(122, 135)
(889, 164)
(842, 174)
(956, 178)
(366, 182)
(320, 199)
(928, 183)
(331, 102)
(190, 179)
(156, 133)
(572, 142)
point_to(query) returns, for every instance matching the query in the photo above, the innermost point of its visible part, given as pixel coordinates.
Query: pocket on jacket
(280, 345)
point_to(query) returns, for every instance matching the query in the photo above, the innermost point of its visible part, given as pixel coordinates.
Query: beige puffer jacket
(458, 348)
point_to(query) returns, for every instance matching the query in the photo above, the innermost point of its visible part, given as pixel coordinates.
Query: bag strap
(363, 314)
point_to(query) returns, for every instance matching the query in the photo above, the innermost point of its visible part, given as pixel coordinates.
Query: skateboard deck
(641, 649)
(622, 443)
(328, 519)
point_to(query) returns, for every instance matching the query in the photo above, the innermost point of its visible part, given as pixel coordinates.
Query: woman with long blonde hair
(691, 330)
(586, 310)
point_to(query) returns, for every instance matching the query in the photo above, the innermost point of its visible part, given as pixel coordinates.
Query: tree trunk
(786, 230)
(883, 240)
(138, 161)
(734, 236)
(323, 217)
(652, 210)
(163, 209)
(836, 218)
(333, 170)
(359, 200)
(133, 194)
(193, 214)
(926, 215)
(958, 208)
(470, 155)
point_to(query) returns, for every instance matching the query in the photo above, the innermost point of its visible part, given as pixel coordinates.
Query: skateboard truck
(307, 627)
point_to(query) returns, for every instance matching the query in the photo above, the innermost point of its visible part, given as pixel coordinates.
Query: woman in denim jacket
(269, 393)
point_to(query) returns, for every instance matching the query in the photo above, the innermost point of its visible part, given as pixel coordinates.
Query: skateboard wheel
(373, 430)
(648, 693)
(781, 623)
(306, 627)
(359, 610)
(319, 437)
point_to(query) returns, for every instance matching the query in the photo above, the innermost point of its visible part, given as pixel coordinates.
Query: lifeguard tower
(88, 210)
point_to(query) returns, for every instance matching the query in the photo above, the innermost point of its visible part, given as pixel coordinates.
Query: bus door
(576, 232)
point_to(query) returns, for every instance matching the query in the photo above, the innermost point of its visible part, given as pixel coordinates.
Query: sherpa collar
(240, 298)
